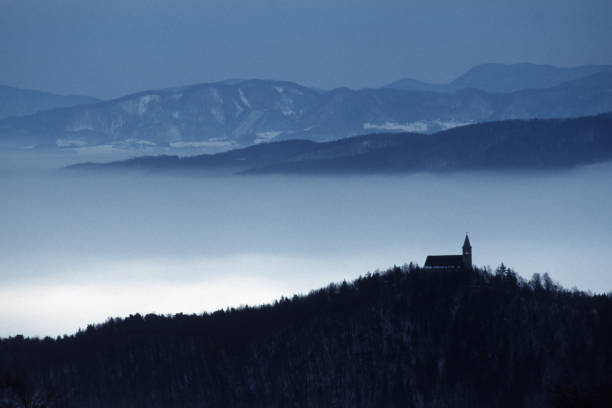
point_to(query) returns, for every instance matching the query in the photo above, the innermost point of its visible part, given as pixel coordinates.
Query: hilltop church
(452, 262)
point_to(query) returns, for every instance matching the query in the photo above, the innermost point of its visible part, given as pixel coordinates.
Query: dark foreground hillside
(403, 338)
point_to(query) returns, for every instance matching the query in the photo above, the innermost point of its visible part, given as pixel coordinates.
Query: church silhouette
(452, 262)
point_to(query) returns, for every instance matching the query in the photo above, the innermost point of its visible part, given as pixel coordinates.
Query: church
(452, 262)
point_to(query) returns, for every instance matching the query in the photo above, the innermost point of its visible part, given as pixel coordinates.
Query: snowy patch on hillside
(116, 125)
(82, 122)
(171, 133)
(286, 105)
(139, 106)
(143, 103)
(263, 137)
(452, 124)
(418, 126)
(243, 98)
(138, 142)
(78, 126)
(70, 143)
(97, 149)
(403, 127)
(216, 96)
(218, 143)
(218, 115)
(239, 109)
(247, 122)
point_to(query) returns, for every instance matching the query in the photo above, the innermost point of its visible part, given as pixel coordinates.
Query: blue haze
(111, 48)
(76, 250)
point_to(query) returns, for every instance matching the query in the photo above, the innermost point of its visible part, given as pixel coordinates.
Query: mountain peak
(495, 77)
(498, 77)
(19, 101)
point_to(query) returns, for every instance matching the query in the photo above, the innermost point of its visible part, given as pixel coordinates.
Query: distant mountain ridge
(19, 102)
(237, 113)
(514, 144)
(505, 78)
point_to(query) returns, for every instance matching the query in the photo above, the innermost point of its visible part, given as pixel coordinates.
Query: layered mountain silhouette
(19, 102)
(514, 144)
(505, 78)
(239, 113)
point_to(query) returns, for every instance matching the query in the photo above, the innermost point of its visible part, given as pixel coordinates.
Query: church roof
(466, 243)
(444, 261)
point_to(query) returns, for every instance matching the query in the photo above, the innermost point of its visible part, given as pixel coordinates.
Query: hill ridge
(217, 117)
(513, 144)
(404, 337)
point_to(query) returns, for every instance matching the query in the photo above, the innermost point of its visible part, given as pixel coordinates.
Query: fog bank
(76, 250)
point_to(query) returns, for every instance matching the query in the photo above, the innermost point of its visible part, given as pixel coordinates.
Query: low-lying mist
(77, 249)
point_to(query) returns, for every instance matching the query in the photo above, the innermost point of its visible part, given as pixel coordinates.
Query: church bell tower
(467, 253)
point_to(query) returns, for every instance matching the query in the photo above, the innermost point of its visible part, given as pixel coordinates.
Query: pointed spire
(466, 243)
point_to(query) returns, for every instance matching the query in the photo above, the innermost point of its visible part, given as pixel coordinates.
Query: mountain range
(19, 102)
(513, 144)
(505, 78)
(237, 113)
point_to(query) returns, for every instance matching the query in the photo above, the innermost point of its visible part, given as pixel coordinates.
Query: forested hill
(509, 145)
(406, 337)
(505, 145)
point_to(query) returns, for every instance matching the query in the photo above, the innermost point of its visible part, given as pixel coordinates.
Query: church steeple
(467, 253)
(466, 243)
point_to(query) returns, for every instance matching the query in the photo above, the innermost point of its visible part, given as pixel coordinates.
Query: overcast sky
(114, 47)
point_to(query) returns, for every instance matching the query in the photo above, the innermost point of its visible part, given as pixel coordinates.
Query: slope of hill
(406, 337)
(257, 156)
(241, 113)
(516, 77)
(517, 145)
(506, 145)
(19, 102)
(497, 78)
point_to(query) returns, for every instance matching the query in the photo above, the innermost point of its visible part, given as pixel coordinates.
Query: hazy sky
(113, 47)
